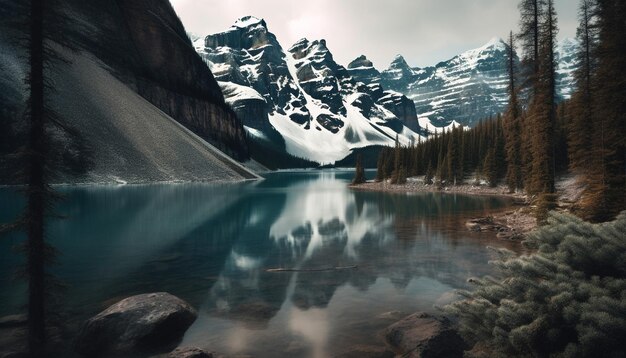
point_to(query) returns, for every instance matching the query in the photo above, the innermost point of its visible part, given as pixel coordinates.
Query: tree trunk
(36, 191)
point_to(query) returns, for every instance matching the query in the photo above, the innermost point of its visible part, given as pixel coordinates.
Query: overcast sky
(423, 31)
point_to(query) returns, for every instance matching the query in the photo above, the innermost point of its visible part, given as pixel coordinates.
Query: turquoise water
(212, 244)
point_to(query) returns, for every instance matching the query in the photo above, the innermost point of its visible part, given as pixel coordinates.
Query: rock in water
(421, 335)
(189, 352)
(153, 322)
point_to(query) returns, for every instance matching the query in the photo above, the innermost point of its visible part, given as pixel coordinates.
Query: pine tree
(512, 126)
(564, 300)
(396, 162)
(452, 158)
(490, 171)
(428, 177)
(359, 171)
(581, 125)
(462, 160)
(606, 193)
(542, 112)
(499, 146)
(531, 12)
(38, 193)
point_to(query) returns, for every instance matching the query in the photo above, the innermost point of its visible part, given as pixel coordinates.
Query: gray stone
(190, 352)
(422, 335)
(14, 320)
(153, 322)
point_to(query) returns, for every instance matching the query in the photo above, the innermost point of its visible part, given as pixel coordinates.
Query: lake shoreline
(510, 224)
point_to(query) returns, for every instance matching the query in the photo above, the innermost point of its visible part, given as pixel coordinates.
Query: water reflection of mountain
(211, 245)
(122, 240)
(321, 224)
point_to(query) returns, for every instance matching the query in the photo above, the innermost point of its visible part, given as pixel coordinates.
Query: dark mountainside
(130, 69)
(291, 99)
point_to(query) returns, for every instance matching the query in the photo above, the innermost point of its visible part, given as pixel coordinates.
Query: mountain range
(142, 106)
(302, 102)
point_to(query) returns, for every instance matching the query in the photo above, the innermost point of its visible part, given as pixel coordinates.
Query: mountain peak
(360, 61)
(399, 63)
(321, 42)
(302, 43)
(495, 43)
(248, 21)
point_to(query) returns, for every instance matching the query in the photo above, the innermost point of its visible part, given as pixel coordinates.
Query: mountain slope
(301, 100)
(171, 102)
(469, 87)
(128, 138)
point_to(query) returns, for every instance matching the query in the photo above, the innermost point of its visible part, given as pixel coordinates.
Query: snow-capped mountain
(470, 86)
(566, 66)
(301, 99)
(301, 102)
(466, 88)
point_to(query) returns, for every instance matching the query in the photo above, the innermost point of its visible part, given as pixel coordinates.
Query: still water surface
(212, 244)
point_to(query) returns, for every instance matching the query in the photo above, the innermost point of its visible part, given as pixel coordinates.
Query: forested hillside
(538, 139)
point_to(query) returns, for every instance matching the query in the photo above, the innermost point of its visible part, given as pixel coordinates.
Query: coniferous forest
(537, 139)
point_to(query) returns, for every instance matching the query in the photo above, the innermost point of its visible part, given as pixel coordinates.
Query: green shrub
(568, 299)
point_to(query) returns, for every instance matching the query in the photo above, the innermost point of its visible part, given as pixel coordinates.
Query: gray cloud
(424, 31)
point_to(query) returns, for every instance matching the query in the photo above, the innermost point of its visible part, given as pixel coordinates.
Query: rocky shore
(511, 224)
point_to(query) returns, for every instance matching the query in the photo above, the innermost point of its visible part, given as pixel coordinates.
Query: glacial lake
(212, 244)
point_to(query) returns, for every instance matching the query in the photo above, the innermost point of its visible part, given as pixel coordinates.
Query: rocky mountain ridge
(471, 86)
(292, 100)
(300, 100)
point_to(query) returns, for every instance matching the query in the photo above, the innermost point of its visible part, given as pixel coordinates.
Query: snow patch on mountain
(234, 92)
(247, 21)
(566, 51)
(322, 110)
(471, 86)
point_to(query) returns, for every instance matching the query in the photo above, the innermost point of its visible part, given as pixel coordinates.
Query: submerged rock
(153, 322)
(15, 320)
(189, 352)
(422, 335)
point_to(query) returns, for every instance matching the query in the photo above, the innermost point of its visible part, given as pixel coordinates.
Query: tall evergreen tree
(380, 166)
(542, 111)
(359, 171)
(581, 125)
(453, 158)
(531, 12)
(512, 126)
(38, 193)
(606, 194)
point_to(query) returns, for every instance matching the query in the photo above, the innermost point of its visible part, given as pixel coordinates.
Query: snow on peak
(360, 61)
(248, 21)
(472, 57)
(302, 42)
(496, 43)
(398, 58)
(399, 63)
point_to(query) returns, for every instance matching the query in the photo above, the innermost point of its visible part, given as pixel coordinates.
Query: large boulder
(422, 335)
(189, 352)
(147, 323)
